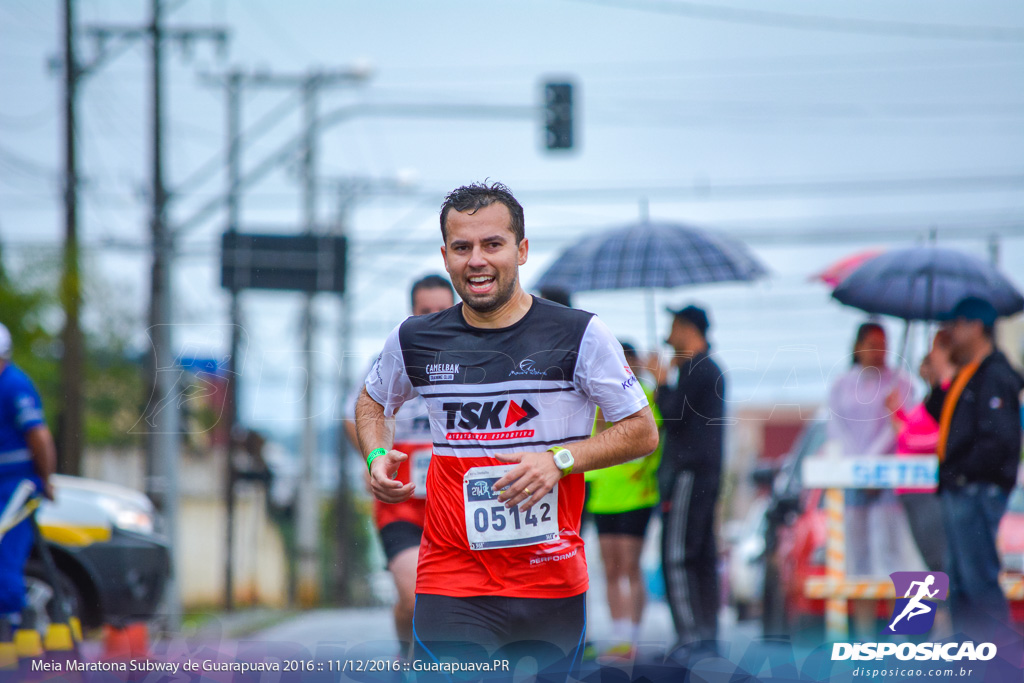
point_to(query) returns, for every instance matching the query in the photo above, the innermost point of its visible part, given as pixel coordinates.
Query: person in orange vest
(979, 451)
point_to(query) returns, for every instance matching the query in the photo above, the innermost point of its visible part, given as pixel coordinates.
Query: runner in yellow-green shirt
(621, 500)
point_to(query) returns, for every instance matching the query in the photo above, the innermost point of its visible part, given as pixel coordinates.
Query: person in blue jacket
(27, 453)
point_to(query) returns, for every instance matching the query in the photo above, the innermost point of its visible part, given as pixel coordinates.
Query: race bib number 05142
(489, 524)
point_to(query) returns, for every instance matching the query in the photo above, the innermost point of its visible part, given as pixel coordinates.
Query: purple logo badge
(914, 612)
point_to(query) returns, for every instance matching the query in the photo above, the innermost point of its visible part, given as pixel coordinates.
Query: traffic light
(558, 116)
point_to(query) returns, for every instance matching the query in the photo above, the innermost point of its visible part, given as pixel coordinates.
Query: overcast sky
(876, 122)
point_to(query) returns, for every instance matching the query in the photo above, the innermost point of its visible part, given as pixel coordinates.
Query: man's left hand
(532, 479)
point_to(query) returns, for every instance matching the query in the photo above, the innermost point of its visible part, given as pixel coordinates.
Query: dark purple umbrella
(650, 255)
(922, 283)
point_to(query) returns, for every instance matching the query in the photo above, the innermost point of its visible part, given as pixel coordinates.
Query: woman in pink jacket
(918, 434)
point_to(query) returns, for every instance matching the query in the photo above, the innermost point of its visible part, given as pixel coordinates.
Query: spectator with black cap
(979, 451)
(689, 476)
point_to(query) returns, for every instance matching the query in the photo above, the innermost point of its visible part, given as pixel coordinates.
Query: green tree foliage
(25, 302)
(113, 391)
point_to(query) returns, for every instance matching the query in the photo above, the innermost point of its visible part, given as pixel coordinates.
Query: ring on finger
(526, 491)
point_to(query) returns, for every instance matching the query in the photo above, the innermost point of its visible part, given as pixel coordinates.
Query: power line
(275, 30)
(810, 22)
(866, 229)
(256, 131)
(828, 110)
(769, 189)
(24, 165)
(292, 147)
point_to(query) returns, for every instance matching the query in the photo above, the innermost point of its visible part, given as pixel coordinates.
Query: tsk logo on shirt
(488, 415)
(442, 372)
(914, 613)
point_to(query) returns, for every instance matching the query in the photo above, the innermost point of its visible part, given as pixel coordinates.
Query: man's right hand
(382, 482)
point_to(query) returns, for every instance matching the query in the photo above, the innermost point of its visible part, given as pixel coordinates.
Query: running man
(512, 383)
(915, 607)
(400, 526)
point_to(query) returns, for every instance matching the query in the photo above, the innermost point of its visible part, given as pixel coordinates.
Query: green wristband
(374, 454)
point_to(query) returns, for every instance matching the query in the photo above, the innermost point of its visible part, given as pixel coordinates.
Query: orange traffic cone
(116, 644)
(138, 639)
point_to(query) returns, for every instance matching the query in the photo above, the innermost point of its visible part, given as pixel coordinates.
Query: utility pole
(71, 371)
(234, 211)
(161, 418)
(307, 524)
(232, 84)
(308, 586)
(309, 84)
(349, 192)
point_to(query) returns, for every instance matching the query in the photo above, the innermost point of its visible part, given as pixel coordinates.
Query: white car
(746, 559)
(111, 561)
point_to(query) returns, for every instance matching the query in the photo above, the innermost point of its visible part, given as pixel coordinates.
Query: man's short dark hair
(430, 282)
(476, 196)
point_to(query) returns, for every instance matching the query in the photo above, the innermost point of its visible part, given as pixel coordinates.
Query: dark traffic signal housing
(558, 115)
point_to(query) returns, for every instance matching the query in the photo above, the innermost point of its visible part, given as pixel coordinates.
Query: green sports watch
(563, 459)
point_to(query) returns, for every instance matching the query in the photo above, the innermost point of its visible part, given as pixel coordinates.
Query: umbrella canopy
(844, 267)
(650, 255)
(922, 283)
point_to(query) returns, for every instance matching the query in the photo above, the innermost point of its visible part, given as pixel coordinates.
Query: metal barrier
(836, 474)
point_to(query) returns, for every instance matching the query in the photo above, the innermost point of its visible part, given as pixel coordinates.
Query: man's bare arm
(374, 430)
(629, 438)
(44, 455)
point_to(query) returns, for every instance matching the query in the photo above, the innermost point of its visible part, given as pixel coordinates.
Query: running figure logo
(914, 613)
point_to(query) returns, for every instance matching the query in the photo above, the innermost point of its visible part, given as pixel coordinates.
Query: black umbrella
(922, 283)
(650, 255)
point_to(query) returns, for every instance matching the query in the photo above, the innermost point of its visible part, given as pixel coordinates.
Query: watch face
(563, 459)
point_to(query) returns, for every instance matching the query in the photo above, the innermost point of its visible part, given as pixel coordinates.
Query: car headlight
(128, 517)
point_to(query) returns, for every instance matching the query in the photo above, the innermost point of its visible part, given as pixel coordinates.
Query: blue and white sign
(871, 472)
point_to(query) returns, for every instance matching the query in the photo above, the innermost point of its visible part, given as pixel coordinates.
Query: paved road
(374, 626)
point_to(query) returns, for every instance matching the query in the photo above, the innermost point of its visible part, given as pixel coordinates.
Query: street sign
(870, 472)
(304, 263)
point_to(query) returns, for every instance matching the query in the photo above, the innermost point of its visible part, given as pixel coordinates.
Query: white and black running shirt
(522, 388)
